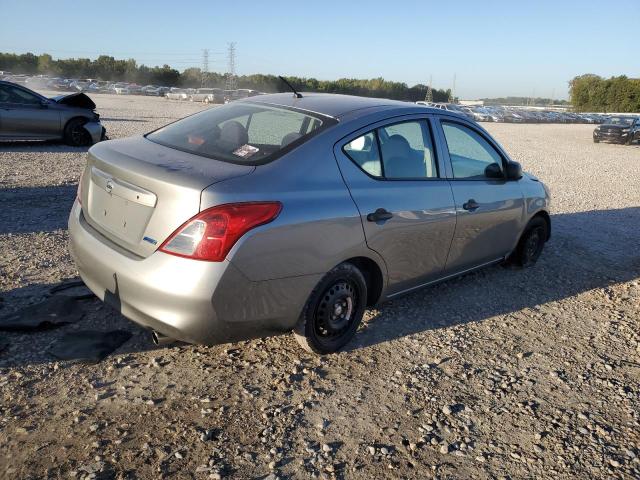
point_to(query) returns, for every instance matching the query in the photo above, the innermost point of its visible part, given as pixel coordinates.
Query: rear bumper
(189, 300)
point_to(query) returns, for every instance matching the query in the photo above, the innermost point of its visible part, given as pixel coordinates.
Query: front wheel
(333, 311)
(75, 134)
(531, 243)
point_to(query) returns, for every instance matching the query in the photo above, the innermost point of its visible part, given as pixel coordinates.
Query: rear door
(23, 114)
(490, 208)
(406, 205)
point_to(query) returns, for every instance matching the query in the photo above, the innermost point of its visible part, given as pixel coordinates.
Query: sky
(492, 48)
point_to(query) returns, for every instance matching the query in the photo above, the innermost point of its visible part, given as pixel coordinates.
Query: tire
(333, 311)
(75, 135)
(596, 140)
(206, 100)
(531, 244)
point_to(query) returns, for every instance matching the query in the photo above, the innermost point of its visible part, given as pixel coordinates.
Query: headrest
(289, 138)
(233, 134)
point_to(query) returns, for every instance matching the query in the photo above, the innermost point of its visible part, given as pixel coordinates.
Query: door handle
(380, 215)
(471, 205)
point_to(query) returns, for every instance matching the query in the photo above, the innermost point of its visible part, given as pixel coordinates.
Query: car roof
(334, 105)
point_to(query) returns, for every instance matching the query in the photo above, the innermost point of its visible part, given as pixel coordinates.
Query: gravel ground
(499, 374)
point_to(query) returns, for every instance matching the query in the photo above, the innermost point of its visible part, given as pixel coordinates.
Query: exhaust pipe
(160, 339)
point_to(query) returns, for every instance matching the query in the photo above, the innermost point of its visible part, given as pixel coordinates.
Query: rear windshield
(242, 132)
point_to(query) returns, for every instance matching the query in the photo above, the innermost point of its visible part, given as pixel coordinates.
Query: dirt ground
(502, 373)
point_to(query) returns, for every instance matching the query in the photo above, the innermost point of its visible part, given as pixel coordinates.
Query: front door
(405, 203)
(490, 208)
(24, 115)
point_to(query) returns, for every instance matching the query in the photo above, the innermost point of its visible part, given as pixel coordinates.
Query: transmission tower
(429, 96)
(231, 59)
(452, 95)
(204, 73)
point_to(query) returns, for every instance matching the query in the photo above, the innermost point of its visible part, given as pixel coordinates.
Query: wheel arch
(373, 276)
(547, 218)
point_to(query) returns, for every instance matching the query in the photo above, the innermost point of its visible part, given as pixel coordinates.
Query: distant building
(472, 103)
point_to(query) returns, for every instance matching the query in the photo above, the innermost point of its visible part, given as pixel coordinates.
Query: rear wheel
(333, 311)
(75, 133)
(531, 243)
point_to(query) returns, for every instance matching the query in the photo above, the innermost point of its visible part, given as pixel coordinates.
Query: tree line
(592, 93)
(108, 68)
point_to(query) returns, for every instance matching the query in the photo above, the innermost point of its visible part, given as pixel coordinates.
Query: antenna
(231, 59)
(204, 73)
(295, 94)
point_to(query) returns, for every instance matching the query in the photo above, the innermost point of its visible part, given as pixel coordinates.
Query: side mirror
(493, 171)
(514, 171)
(44, 103)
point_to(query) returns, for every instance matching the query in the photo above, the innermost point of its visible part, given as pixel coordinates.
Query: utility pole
(231, 59)
(553, 94)
(429, 96)
(204, 73)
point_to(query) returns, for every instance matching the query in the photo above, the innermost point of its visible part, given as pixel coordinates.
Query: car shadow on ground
(588, 250)
(35, 209)
(40, 146)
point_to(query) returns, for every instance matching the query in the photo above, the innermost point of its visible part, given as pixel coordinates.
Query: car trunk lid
(136, 192)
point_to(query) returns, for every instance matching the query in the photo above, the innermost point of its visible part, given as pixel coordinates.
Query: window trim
(374, 130)
(483, 135)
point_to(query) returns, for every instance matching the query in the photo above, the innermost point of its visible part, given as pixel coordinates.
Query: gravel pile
(499, 374)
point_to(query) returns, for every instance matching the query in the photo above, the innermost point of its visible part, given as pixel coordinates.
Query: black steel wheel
(333, 311)
(75, 133)
(531, 243)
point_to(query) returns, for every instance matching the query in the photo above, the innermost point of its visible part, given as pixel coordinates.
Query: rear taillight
(211, 234)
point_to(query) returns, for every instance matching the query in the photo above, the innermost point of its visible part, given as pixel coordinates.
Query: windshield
(244, 132)
(620, 121)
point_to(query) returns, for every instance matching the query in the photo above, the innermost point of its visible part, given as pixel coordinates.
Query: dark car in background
(27, 115)
(634, 133)
(617, 129)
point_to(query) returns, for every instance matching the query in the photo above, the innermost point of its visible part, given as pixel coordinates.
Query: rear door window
(399, 151)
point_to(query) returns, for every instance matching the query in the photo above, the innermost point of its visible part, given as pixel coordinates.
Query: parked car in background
(634, 132)
(121, 89)
(288, 213)
(216, 96)
(27, 115)
(208, 95)
(618, 129)
(176, 94)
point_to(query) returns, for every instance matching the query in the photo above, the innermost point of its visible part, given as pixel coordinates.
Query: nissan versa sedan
(27, 115)
(278, 213)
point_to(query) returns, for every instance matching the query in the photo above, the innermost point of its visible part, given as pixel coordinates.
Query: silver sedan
(279, 213)
(27, 115)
